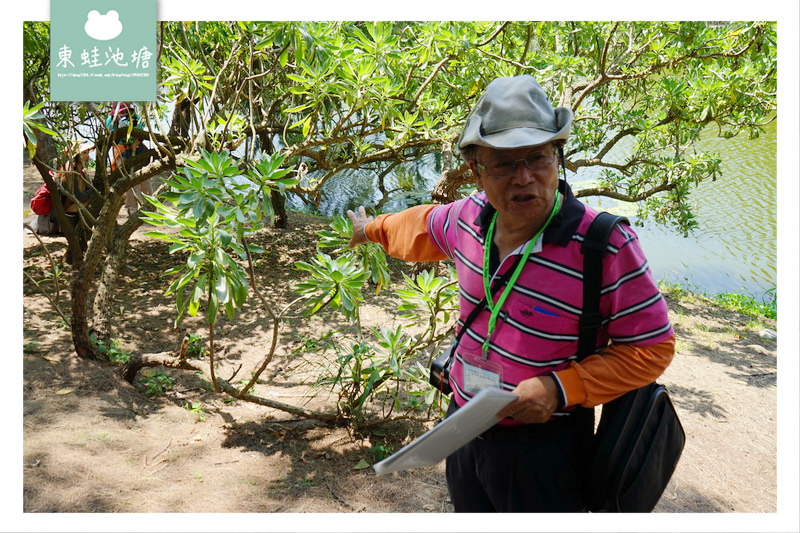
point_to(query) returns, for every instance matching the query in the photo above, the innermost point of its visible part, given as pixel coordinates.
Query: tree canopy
(333, 96)
(289, 105)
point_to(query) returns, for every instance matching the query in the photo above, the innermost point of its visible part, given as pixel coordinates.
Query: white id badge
(479, 373)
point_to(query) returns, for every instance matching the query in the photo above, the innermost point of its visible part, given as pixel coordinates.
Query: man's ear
(474, 169)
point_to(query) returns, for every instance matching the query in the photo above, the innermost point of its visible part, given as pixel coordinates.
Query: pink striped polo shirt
(537, 329)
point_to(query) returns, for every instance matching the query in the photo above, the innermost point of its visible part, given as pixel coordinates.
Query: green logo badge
(102, 50)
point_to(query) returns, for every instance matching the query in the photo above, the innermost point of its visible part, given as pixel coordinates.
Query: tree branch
(611, 193)
(275, 323)
(427, 81)
(494, 35)
(606, 47)
(506, 60)
(57, 290)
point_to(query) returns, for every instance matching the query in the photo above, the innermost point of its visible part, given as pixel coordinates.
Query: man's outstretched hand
(360, 222)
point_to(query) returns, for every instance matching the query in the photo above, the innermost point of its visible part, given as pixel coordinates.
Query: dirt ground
(96, 444)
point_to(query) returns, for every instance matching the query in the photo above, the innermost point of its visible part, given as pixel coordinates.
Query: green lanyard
(487, 247)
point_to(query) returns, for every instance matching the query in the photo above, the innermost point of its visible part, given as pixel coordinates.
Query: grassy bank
(731, 301)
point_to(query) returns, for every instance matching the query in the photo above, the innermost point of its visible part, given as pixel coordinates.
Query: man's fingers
(359, 223)
(507, 411)
(362, 215)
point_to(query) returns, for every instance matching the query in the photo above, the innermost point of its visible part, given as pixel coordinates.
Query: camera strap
(498, 282)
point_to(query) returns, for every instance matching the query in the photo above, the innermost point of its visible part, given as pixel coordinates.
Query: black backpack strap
(594, 246)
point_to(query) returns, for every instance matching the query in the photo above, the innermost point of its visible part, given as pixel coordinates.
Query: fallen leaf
(65, 391)
(362, 464)
(52, 358)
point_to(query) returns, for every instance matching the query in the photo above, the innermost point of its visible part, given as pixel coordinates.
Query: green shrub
(111, 350)
(157, 383)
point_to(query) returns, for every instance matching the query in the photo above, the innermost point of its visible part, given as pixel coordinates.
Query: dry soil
(94, 443)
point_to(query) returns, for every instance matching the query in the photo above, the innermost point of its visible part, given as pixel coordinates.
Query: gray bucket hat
(512, 113)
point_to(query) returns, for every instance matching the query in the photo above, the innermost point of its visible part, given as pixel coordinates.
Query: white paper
(472, 419)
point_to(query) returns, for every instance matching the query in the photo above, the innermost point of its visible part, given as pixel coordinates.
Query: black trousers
(524, 469)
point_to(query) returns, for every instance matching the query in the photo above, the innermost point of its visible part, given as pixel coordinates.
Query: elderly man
(527, 223)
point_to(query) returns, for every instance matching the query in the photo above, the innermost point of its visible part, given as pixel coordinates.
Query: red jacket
(41, 204)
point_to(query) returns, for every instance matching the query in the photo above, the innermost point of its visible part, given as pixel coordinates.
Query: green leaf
(430, 396)
(213, 309)
(195, 259)
(361, 465)
(230, 310)
(221, 288)
(298, 79)
(299, 108)
(178, 246)
(225, 238)
(304, 124)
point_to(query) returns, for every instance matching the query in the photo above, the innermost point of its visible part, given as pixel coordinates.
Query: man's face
(521, 191)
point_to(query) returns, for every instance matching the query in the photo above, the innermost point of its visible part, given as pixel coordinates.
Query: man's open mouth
(522, 197)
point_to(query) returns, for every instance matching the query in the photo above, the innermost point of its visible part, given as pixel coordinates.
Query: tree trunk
(106, 243)
(103, 312)
(279, 208)
(181, 118)
(45, 149)
(278, 200)
(446, 190)
(453, 178)
(84, 278)
(115, 238)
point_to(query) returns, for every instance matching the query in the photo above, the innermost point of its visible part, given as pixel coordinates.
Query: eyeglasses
(538, 160)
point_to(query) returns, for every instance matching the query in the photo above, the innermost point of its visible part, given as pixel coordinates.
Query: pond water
(735, 245)
(734, 249)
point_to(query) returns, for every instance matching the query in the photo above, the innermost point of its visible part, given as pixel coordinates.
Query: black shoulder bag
(639, 438)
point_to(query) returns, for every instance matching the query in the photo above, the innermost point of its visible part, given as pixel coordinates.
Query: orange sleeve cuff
(617, 369)
(571, 386)
(405, 234)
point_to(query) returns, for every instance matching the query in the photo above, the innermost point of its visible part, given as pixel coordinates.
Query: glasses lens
(539, 160)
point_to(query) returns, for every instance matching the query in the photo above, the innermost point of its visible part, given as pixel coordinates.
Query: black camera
(440, 371)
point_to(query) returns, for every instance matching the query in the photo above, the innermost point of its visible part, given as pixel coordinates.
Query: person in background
(123, 116)
(72, 176)
(526, 221)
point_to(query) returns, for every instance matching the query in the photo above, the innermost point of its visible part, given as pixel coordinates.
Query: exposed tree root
(173, 360)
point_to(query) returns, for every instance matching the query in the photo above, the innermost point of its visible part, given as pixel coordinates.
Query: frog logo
(103, 27)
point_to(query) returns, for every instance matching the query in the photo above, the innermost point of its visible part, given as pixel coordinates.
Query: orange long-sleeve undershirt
(597, 379)
(405, 234)
(613, 371)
